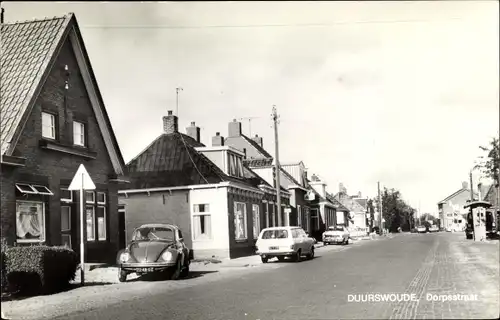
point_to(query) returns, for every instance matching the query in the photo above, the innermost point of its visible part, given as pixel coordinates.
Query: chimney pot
(192, 123)
(234, 129)
(258, 140)
(217, 133)
(193, 131)
(217, 140)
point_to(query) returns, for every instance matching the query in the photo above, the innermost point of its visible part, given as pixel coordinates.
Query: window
(101, 223)
(90, 196)
(25, 188)
(235, 166)
(78, 133)
(275, 234)
(66, 195)
(202, 222)
(43, 190)
(90, 223)
(273, 217)
(315, 219)
(299, 216)
(295, 233)
(256, 220)
(240, 221)
(66, 240)
(101, 198)
(65, 218)
(48, 125)
(30, 221)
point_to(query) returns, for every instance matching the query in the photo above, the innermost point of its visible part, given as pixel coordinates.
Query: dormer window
(235, 165)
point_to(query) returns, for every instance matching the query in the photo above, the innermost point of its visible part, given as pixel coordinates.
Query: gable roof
(348, 202)
(336, 203)
(172, 160)
(453, 195)
(363, 202)
(29, 50)
(254, 144)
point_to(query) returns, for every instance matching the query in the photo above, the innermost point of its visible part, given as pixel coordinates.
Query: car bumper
(146, 267)
(276, 253)
(333, 240)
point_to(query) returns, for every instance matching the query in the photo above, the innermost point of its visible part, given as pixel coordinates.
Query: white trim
(192, 187)
(69, 217)
(65, 199)
(255, 236)
(220, 148)
(89, 85)
(82, 126)
(245, 229)
(42, 240)
(97, 196)
(93, 223)
(46, 193)
(105, 223)
(52, 127)
(23, 191)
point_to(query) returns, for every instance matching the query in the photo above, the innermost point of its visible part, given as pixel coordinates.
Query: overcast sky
(397, 92)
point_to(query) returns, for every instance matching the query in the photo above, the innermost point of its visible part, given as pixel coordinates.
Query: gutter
(189, 187)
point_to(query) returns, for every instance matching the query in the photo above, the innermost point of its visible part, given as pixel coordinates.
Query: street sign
(82, 181)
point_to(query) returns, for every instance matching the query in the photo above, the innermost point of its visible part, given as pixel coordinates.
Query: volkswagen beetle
(155, 248)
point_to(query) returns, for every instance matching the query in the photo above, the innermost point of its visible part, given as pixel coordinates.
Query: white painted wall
(217, 199)
(266, 174)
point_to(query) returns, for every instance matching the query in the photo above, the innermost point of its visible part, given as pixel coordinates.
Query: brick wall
(54, 165)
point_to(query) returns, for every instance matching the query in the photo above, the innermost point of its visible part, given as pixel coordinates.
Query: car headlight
(167, 255)
(124, 257)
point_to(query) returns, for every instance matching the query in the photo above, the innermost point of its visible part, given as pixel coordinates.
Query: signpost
(82, 181)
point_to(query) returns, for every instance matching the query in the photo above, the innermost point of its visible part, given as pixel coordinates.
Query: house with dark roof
(52, 120)
(452, 214)
(217, 201)
(292, 176)
(490, 195)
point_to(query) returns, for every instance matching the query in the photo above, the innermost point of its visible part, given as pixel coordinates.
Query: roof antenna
(1, 15)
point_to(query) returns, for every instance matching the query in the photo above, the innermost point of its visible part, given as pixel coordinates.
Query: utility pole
(471, 187)
(275, 118)
(177, 100)
(380, 209)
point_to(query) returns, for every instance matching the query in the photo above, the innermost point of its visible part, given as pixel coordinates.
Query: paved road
(419, 264)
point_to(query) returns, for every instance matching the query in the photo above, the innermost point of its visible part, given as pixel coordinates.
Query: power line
(298, 25)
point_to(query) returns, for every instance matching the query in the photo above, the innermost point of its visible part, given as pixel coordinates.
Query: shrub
(40, 269)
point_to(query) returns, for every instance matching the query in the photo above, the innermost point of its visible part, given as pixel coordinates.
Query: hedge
(40, 269)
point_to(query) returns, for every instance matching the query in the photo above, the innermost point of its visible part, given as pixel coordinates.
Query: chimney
(258, 140)
(218, 140)
(170, 123)
(193, 131)
(359, 194)
(234, 129)
(465, 185)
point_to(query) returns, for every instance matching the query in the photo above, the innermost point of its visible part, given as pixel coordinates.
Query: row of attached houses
(53, 119)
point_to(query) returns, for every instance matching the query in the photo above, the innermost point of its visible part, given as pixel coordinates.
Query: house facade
(52, 120)
(323, 211)
(293, 176)
(452, 214)
(219, 203)
(357, 207)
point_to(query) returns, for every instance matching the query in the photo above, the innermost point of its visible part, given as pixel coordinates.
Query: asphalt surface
(418, 264)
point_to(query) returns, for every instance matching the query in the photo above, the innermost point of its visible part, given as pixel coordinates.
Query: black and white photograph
(253, 160)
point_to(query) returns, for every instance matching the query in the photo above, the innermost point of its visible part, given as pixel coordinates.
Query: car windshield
(275, 234)
(336, 229)
(154, 233)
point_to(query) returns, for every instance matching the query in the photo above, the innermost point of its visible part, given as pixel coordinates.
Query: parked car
(337, 234)
(421, 229)
(433, 229)
(413, 230)
(155, 248)
(282, 242)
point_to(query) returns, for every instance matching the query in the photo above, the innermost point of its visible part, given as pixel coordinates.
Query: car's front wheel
(310, 256)
(298, 256)
(264, 259)
(185, 271)
(175, 273)
(122, 275)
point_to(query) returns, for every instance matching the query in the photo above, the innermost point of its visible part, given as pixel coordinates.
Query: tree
(491, 167)
(396, 212)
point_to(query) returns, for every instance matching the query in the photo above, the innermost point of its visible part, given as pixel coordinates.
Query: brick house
(356, 205)
(452, 214)
(293, 176)
(219, 204)
(52, 120)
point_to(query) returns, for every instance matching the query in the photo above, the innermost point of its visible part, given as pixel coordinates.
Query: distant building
(452, 213)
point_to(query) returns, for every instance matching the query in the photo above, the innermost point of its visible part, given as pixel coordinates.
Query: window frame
(67, 200)
(245, 221)
(197, 214)
(53, 125)
(82, 134)
(93, 196)
(69, 218)
(97, 198)
(256, 220)
(105, 223)
(93, 223)
(44, 233)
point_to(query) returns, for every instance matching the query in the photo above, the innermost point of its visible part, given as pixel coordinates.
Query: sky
(397, 92)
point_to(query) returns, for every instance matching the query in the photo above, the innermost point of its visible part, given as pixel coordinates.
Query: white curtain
(29, 220)
(206, 231)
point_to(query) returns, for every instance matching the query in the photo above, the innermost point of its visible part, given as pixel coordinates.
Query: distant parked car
(421, 229)
(413, 230)
(338, 235)
(155, 248)
(433, 229)
(282, 242)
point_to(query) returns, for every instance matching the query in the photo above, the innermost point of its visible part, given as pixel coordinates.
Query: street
(421, 264)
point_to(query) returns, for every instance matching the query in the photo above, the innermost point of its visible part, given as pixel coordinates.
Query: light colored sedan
(282, 242)
(336, 234)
